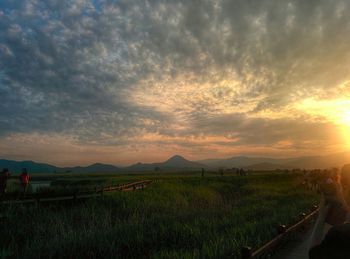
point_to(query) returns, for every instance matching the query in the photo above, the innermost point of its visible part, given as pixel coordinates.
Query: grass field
(178, 216)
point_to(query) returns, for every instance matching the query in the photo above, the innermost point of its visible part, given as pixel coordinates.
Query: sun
(346, 118)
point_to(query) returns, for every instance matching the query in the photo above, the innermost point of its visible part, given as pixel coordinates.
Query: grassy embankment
(178, 217)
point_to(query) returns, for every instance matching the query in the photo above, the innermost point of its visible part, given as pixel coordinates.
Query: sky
(84, 81)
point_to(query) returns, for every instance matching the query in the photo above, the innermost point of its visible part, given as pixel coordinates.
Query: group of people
(315, 179)
(5, 176)
(331, 233)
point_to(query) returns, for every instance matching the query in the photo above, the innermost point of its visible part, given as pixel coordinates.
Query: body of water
(36, 185)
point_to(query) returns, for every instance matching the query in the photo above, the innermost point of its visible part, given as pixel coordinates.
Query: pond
(36, 185)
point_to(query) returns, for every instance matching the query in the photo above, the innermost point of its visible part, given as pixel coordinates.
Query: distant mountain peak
(96, 164)
(176, 158)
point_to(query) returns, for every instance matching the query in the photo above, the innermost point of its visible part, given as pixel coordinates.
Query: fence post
(281, 229)
(246, 252)
(37, 200)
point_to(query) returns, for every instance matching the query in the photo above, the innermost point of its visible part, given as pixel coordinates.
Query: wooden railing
(81, 194)
(271, 247)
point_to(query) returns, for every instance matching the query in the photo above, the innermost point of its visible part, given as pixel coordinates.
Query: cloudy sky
(125, 81)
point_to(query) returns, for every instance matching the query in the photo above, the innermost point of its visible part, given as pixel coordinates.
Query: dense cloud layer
(111, 72)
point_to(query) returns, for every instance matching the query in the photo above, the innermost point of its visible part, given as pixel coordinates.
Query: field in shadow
(177, 216)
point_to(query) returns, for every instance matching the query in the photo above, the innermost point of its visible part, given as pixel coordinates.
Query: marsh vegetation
(178, 216)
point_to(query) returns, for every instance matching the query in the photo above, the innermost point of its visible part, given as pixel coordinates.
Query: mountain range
(16, 167)
(266, 163)
(180, 163)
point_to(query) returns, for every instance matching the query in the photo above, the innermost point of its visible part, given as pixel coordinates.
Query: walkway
(297, 247)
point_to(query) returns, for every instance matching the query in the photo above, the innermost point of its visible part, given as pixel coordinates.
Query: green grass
(177, 217)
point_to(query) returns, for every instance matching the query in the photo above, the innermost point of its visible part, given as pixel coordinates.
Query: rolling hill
(33, 167)
(16, 166)
(243, 161)
(306, 162)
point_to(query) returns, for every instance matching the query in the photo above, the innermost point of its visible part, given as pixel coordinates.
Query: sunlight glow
(346, 118)
(346, 134)
(337, 111)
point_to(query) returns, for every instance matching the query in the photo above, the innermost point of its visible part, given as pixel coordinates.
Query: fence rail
(83, 194)
(270, 247)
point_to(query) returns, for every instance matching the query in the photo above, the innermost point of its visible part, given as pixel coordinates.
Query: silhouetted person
(4, 176)
(241, 172)
(202, 172)
(24, 179)
(237, 171)
(334, 214)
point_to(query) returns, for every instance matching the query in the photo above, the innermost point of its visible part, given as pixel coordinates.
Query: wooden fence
(95, 192)
(271, 247)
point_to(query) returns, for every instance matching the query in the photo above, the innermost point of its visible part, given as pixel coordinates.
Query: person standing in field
(4, 176)
(241, 172)
(24, 179)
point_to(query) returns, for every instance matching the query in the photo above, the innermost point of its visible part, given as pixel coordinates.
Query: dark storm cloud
(68, 66)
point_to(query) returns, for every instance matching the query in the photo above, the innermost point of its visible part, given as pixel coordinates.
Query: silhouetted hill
(33, 167)
(267, 167)
(179, 161)
(175, 162)
(94, 168)
(16, 166)
(242, 161)
(333, 160)
(307, 162)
